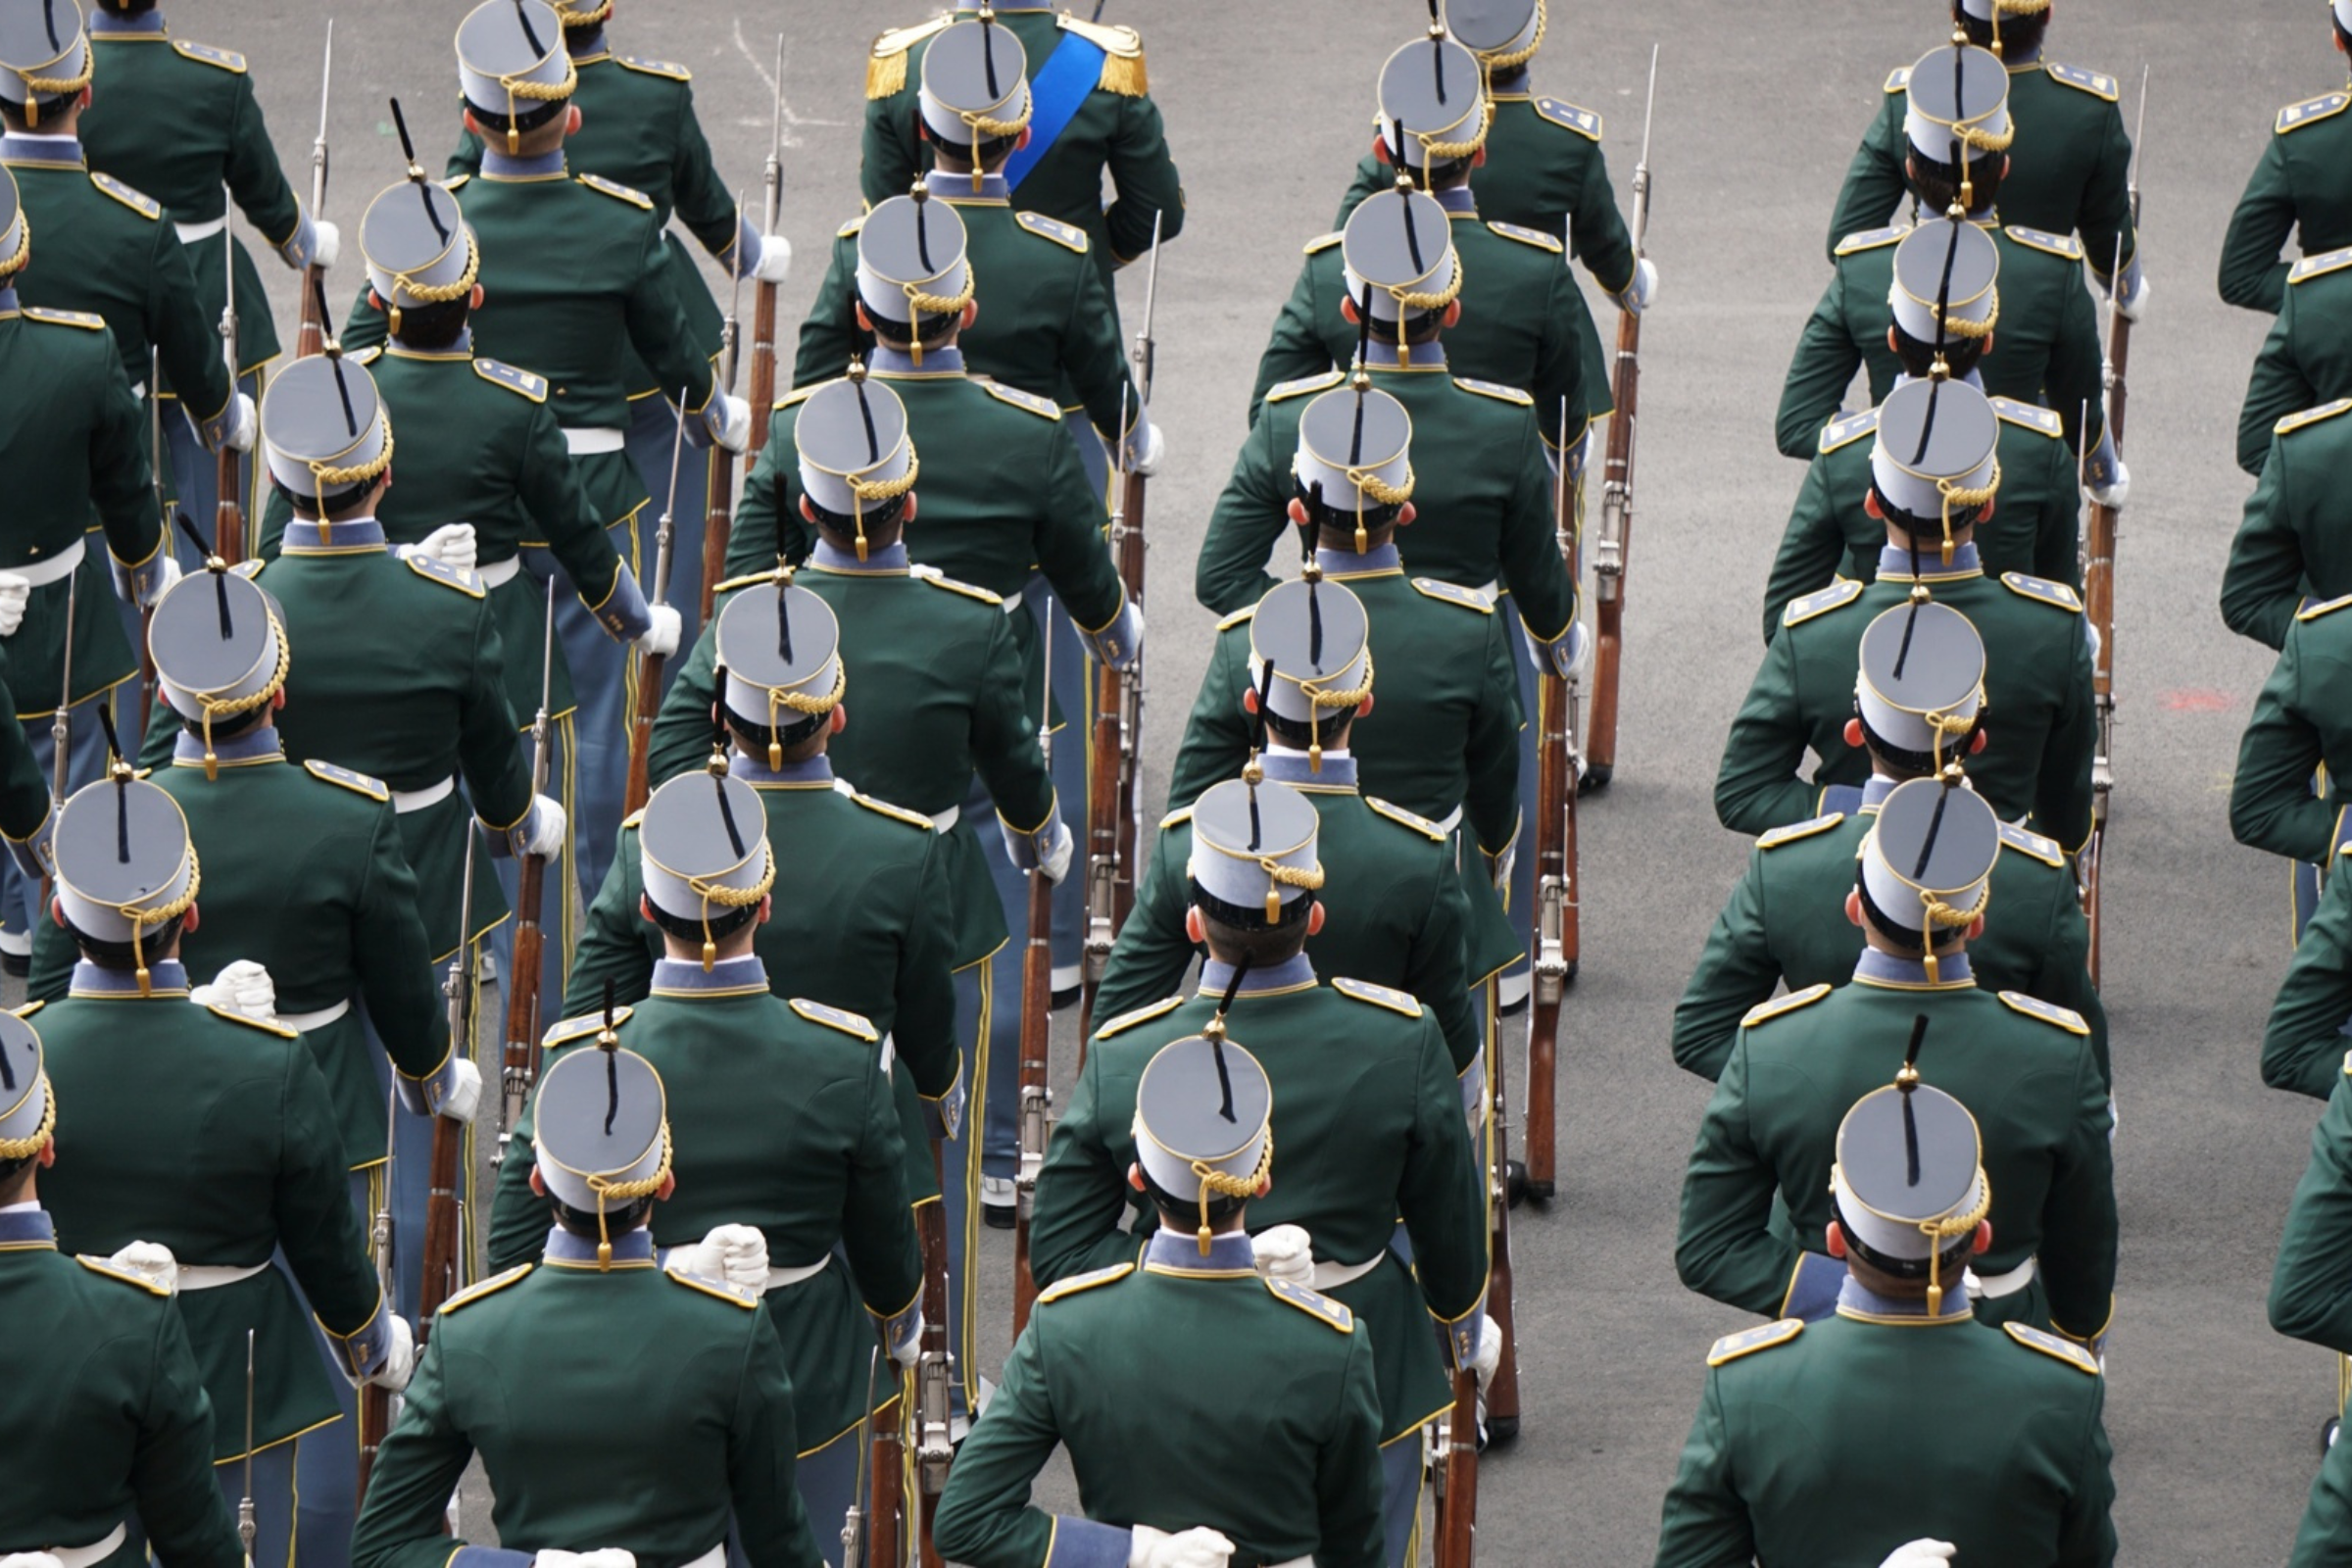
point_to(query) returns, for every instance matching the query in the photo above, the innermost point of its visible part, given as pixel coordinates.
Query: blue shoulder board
(1795, 831)
(2041, 588)
(1747, 1342)
(143, 205)
(87, 319)
(1848, 430)
(1304, 384)
(564, 1031)
(2095, 82)
(1322, 1309)
(1453, 594)
(1043, 407)
(619, 192)
(1584, 122)
(2062, 245)
(1844, 591)
(654, 68)
(501, 373)
(447, 576)
(2029, 416)
(2048, 1012)
(1871, 239)
(1061, 233)
(2320, 266)
(327, 772)
(226, 59)
(849, 1023)
(2051, 1344)
(2296, 421)
(2324, 106)
(1529, 236)
(2032, 845)
(1403, 1001)
(1495, 390)
(1084, 1281)
(1898, 79)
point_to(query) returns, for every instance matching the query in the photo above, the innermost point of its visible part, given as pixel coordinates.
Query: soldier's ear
(840, 721)
(1298, 513)
(538, 1183)
(1835, 1238)
(1193, 928)
(375, 301)
(1853, 732)
(1853, 907)
(277, 702)
(1977, 742)
(1026, 133)
(48, 1154)
(1363, 710)
(1890, 347)
(906, 513)
(768, 909)
(1478, 158)
(191, 921)
(1248, 699)
(1453, 315)
(473, 301)
(670, 1185)
(865, 323)
(573, 121)
(807, 512)
(971, 314)
(1380, 147)
(1135, 1177)
(1976, 928)
(1348, 310)
(1406, 513)
(1870, 503)
(645, 908)
(1314, 919)
(1981, 1241)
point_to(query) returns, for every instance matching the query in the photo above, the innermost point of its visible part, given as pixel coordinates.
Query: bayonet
(637, 785)
(2140, 129)
(1649, 112)
(61, 723)
(772, 178)
(853, 1522)
(518, 1064)
(326, 82)
(1143, 355)
(247, 1527)
(666, 529)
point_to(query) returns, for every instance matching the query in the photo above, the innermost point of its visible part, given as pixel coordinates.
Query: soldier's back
(102, 244)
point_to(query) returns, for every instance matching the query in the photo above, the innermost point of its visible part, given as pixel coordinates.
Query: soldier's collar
(243, 751)
(566, 1250)
(165, 977)
(590, 49)
(1458, 199)
(1179, 1254)
(26, 1227)
(460, 349)
(1285, 767)
(936, 361)
(958, 188)
(350, 537)
(101, 21)
(816, 772)
(1877, 968)
(1346, 562)
(880, 560)
(1894, 563)
(59, 152)
(1975, 377)
(1874, 793)
(2024, 60)
(743, 976)
(1426, 355)
(1866, 1306)
(1292, 974)
(8, 303)
(1511, 83)
(540, 165)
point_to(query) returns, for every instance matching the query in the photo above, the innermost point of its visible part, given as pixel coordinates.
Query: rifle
(228, 511)
(61, 722)
(247, 1526)
(853, 1521)
(375, 1400)
(1617, 487)
(1037, 1038)
(311, 337)
(1117, 763)
(934, 1451)
(719, 518)
(163, 510)
(1559, 928)
(649, 664)
(764, 297)
(519, 1062)
(441, 1214)
(1457, 1499)
(1503, 1393)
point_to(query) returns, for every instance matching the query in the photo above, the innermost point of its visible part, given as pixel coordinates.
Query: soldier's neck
(752, 767)
(497, 165)
(1285, 765)
(1429, 356)
(1217, 974)
(946, 359)
(102, 21)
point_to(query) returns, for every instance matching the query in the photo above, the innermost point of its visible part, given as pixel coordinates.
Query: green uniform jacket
(305, 874)
(2299, 726)
(1545, 170)
(629, 1407)
(1289, 1471)
(2303, 1043)
(214, 1136)
(1047, 324)
(2036, 526)
(1116, 129)
(23, 792)
(2045, 346)
(2023, 1068)
(2292, 543)
(1365, 1136)
(2304, 360)
(2039, 739)
(177, 121)
(2069, 169)
(1786, 922)
(1520, 313)
(1809, 1447)
(2315, 1248)
(122, 1424)
(2298, 187)
(108, 248)
(2328, 1517)
(74, 440)
(781, 1116)
(1490, 519)
(1444, 732)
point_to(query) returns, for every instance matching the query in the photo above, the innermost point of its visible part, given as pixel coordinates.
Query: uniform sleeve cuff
(31, 853)
(1117, 642)
(1084, 1544)
(1561, 652)
(900, 1328)
(1462, 1333)
(943, 1113)
(622, 611)
(300, 246)
(365, 1348)
(425, 1096)
(488, 1557)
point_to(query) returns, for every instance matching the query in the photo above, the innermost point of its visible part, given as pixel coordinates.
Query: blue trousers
(653, 423)
(828, 1481)
(1401, 1497)
(195, 477)
(987, 1026)
(85, 760)
(603, 681)
(275, 1539)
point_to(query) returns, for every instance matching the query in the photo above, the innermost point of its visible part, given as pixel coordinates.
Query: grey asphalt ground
(2213, 1418)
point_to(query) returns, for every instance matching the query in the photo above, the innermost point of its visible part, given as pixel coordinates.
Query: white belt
(1330, 1276)
(1492, 587)
(944, 820)
(1992, 1287)
(717, 1556)
(56, 568)
(406, 801)
(1451, 820)
(98, 1550)
(779, 1278)
(302, 1023)
(211, 1276)
(584, 442)
(189, 235)
(499, 573)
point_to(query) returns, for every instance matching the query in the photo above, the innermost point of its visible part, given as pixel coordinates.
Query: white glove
(151, 1260)
(735, 1253)
(910, 1349)
(1196, 1548)
(243, 986)
(1921, 1554)
(728, 418)
(775, 260)
(28, 1560)
(542, 831)
(2117, 490)
(1154, 450)
(452, 544)
(1285, 1253)
(602, 1558)
(465, 1093)
(662, 637)
(242, 423)
(1500, 866)
(14, 591)
(167, 573)
(2134, 304)
(1022, 848)
(400, 1357)
(1490, 1351)
(1642, 292)
(327, 244)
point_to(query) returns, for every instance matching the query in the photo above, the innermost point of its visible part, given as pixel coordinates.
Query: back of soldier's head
(2012, 28)
(1253, 871)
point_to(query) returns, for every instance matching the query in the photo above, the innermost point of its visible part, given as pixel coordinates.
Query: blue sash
(1055, 95)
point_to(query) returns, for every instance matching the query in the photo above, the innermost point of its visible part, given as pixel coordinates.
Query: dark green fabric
(2305, 361)
(2300, 724)
(2292, 543)
(2307, 1299)
(2303, 1042)
(2298, 188)
(23, 792)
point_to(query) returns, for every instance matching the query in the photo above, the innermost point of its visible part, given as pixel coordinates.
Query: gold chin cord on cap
(1939, 915)
(1371, 487)
(1280, 876)
(1320, 696)
(1504, 60)
(1408, 299)
(780, 700)
(1214, 1183)
(26, 1147)
(210, 707)
(432, 293)
(921, 303)
(15, 262)
(1950, 1228)
(624, 1193)
(876, 491)
(538, 92)
(140, 919)
(1955, 496)
(330, 477)
(55, 86)
(727, 898)
(1957, 726)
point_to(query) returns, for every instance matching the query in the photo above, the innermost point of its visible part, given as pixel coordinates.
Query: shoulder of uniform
(1765, 1011)
(454, 182)
(226, 59)
(1871, 239)
(899, 813)
(1184, 815)
(1076, 1283)
(1282, 390)
(940, 579)
(2053, 1347)
(107, 1270)
(618, 191)
(2310, 417)
(2048, 1012)
(636, 819)
(367, 356)
(489, 1286)
(1322, 1309)
(2042, 589)
(2097, 83)
(802, 394)
(1387, 997)
(2029, 416)
(515, 379)
(733, 1294)
(268, 1027)
(1898, 79)
(653, 67)
(1799, 831)
(1846, 431)
(373, 788)
(1584, 122)
(2320, 266)
(144, 204)
(1043, 407)
(730, 586)
(2294, 117)
(1323, 242)
(1837, 596)
(853, 227)
(1453, 594)
(1128, 1020)
(1747, 1342)
(2326, 608)
(81, 319)
(565, 1030)
(886, 62)
(1527, 236)
(448, 576)
(2062, 245)
(1495, 390)
(37, 1004)
(1122, 56)
(1240, 617)
(1069, 235)
(841, 1018)
(1413, 820)
(2032, 845)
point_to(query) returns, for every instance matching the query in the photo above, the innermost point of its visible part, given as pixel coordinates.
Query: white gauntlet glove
(243, 986)
(542, 831)
(2118, 486)
(735, 1253)
(775, 260)
(1921, 1554)
(1490, 1351)
(150, 1261)
(326, 245)
(602, 1558)
(400, 1357)
(167, 573)
(1146, 458)
(1642, 292)
(28, 1560)
(241, 423)
(1022, 848)
(728, 419)
(2134, 304)
(660, 639)
(15, 593)
(1285, 1253)
(452, 544)
(465, 1093)
(1196, 1548)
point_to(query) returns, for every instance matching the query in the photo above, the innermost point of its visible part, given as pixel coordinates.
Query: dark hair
(988, 155)
(1948, 1264)
(335, 506)
(433, 326)
(13, 1175)
(525, 121)
(887, 517)
(120, 955)
(1239, 932)
(617, 1221)
(1936, 182)
(1332, 731)
(725, 922)
(127, 8)
(2020, 36)
(229, 727)
(14, 117)
(1949, 937)
(1920, 527)
(1960, 354)
(756, 737)
(930, 329)
(1919, 765)
(1183, 1214)
(1323, 516)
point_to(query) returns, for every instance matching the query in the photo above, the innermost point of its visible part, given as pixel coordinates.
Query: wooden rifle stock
(1113, 769)
(520, 1060)
(228, 517)
(1037, 999)
(718, 522)
(310, 335)
(640, 730)
(762, 390)
(1457, 1525)
(1608, 566)
(1503, 1395)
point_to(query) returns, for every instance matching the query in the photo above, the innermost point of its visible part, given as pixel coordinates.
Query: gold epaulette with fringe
(1122, 56)
(886, 62)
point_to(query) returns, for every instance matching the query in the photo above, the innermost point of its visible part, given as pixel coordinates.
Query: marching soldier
(2292, 544)
(1284, 1479)
(2298, 188)
(1919, 709)
(112, 1369)
(2303, 1041)
(220, 1150)
(2299, 729)
(2072, 168)
(2305, 359)
(786, 1128)
(180, 122)
(1520, 305)
(1919, 895)
(629, 1413)
(1944, 302)
(1995, 1442)
(1381, 1123)
(2305, 1302)
(1933, 477)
